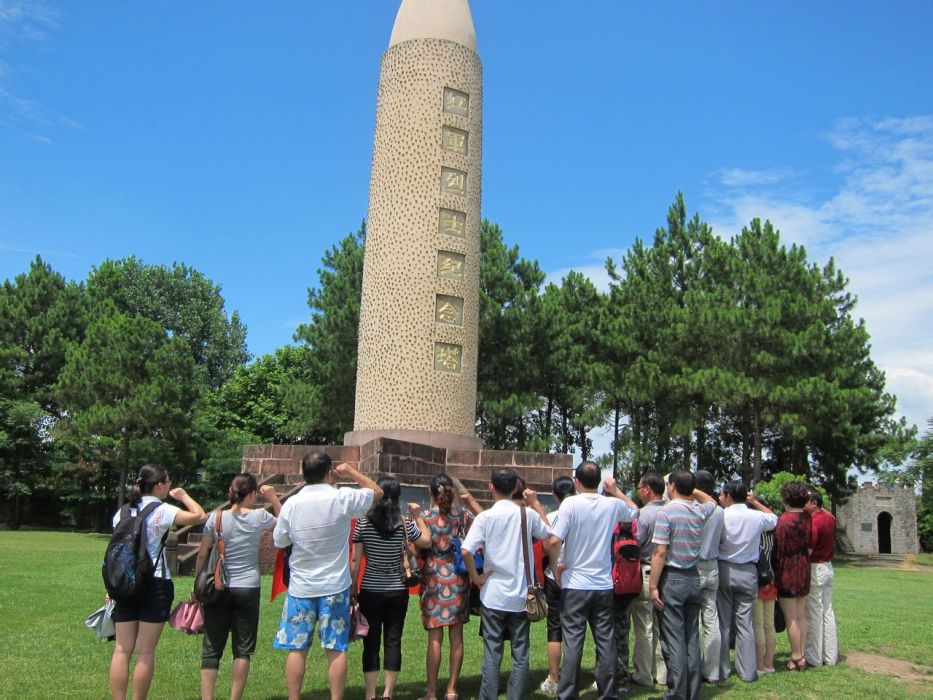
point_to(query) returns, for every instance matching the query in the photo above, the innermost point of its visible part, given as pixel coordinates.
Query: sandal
(796, 664)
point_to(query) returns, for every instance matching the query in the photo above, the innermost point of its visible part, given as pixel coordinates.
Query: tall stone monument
(419, 315)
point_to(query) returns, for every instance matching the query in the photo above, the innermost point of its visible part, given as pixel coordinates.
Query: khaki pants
(763, 621)
(647, 660)
(822, 645)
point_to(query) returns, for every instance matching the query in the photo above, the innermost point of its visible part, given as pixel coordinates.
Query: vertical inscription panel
(455, 140)
(447, 357)
(456, 102)
(450, 265)
(452, 223)
(453, 181)
(448, 310)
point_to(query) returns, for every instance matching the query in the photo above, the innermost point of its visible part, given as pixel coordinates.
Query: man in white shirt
(744, 519)
(316, 523)
(709, 581)
(503, 583)
(581, 541)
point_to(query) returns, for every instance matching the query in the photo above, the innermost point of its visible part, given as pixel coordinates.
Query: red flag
(278, 584)
(538, 551)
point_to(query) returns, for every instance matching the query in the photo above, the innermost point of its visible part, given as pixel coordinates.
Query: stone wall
(411, 463)
(863, 516)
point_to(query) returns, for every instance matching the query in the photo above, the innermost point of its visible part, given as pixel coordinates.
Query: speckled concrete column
(418, 338)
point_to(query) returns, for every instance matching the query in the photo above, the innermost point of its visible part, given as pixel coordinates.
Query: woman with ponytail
(383, 595)
(445, 594)
(236, 610)
(139, 624)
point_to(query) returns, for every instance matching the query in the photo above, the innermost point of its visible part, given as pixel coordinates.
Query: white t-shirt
(316, 522)
(585, 525)
(158, 524)
(241, 543)
(499, 532)
(551, 521)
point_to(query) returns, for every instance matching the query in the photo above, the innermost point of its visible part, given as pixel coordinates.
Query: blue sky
(236, 137)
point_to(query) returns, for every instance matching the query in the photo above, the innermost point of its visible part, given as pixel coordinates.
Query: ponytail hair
(386, 515)
(241, 487)
(442, 490)
(149, 476)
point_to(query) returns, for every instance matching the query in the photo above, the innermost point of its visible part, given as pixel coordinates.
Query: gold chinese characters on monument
(452, 222)
(447, 357)
(453, 181)
(449, 310)
(450, 265)
(454, 140)
(456, 102)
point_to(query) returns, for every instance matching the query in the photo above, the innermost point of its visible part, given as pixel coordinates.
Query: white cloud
(878, 225)
(592, 266)
(738, 177)
(26, 22)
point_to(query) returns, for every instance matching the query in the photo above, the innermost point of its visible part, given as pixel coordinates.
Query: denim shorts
(299, 616)
(155, 607)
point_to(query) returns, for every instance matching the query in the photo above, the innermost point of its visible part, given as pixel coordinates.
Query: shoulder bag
(535, 602)
(212, 578)
(410, 571)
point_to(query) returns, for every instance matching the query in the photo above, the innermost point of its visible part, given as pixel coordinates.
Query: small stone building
(880, 519)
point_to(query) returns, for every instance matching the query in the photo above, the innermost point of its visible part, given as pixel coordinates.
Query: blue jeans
(680, 631)
(495, 623)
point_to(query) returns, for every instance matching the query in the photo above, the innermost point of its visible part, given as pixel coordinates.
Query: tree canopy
(741, 356)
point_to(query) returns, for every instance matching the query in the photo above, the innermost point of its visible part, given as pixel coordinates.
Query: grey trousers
(577, 610)
(680, 632)
(709, 618)
(738, 588)
(495, 623)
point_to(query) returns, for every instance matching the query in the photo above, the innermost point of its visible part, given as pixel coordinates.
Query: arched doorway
(884, 532)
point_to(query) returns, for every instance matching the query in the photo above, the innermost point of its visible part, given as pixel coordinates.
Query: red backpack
(626, 567)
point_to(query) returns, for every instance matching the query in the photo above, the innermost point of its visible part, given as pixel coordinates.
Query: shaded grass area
(50, 581)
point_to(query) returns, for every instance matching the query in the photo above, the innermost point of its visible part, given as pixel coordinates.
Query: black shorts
(234, 613)
(155, 607)
(552, 595)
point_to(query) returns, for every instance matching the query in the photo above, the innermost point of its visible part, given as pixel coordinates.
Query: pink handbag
(359, 625)
(187, 617)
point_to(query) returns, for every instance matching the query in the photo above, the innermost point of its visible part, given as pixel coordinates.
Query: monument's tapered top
(434, 19)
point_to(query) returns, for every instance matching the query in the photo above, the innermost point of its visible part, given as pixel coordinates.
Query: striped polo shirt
(679, 526)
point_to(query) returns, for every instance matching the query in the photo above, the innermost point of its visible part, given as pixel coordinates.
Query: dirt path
(910, 673)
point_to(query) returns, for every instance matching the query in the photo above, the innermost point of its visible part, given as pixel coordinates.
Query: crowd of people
(710, 567)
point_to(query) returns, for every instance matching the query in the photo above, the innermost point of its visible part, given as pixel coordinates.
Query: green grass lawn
(50, 581)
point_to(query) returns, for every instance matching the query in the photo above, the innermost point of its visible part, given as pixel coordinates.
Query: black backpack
(128, 569)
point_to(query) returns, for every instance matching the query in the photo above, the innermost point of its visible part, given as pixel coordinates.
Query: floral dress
(445, 594)
(791, 555)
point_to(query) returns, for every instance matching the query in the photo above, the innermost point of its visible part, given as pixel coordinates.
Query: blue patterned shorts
(299, 615)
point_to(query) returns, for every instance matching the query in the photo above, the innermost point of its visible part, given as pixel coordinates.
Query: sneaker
(548, 686)
(595, 686)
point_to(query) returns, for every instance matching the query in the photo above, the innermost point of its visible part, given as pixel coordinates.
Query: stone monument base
(448, 441)
(412, 463)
